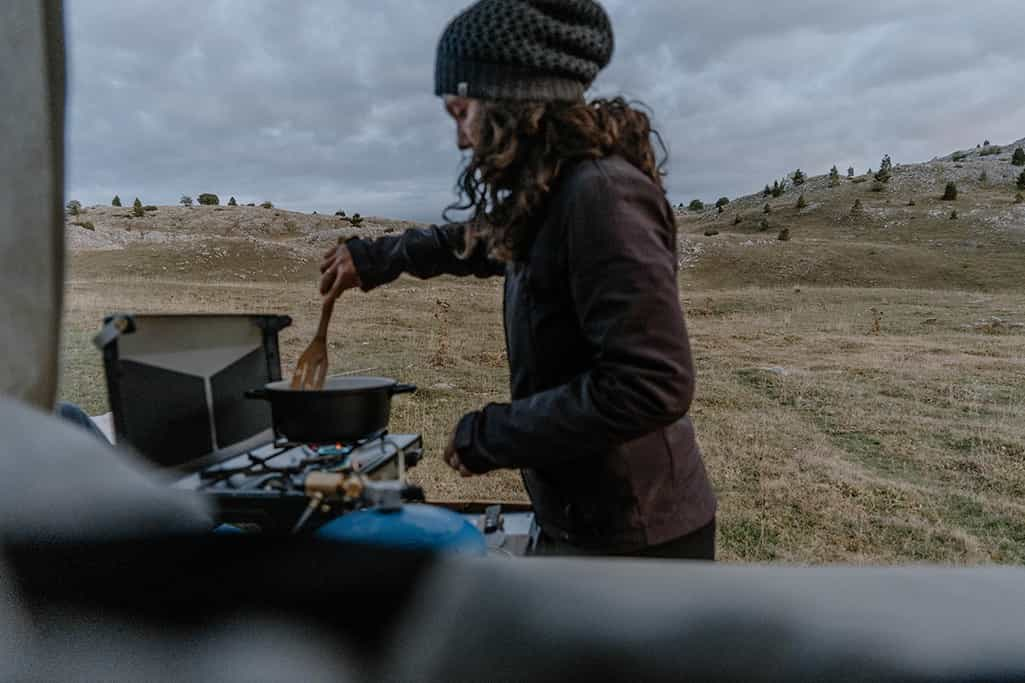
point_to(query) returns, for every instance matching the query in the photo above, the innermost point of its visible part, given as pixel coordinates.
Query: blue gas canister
(421, 527)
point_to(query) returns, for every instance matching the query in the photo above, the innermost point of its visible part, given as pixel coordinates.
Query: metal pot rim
(284, 387)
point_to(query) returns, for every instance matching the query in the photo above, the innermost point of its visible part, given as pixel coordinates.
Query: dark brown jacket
(601, 370)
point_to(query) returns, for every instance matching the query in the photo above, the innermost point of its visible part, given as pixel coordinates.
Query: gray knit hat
(524, 49)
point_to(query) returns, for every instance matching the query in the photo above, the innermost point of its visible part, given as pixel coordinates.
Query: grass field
(850, 407)
(829, 436)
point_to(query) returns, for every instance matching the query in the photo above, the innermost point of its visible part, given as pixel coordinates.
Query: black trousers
(697, 545)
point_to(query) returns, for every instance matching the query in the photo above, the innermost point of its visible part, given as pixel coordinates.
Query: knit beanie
(524, 49)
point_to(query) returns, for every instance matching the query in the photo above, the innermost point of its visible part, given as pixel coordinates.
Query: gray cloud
(320, 105)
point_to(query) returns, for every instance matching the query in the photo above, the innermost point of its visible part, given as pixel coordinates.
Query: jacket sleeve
(622, 263)
(425, 253)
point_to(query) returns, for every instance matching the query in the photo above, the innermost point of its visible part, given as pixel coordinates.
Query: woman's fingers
(338, 286)
(328, 281)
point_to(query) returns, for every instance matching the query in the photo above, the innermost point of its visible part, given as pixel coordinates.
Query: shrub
(798, 177)
(834, 177)
(784, 235)
(208, 199)
(356, 220)
(342, 213)
(696, 205)
(250, 204)
(885, 170)
(911, 202)
(137, 209)
(116, 201)
(74, 207)
(722, 201)
(957, 156)
(988, 151)
(1021, 181)
(763, 226)
(850, 172)
(737, 220)
(983, 177)
(950, 192)
(1019, 198)
(711, 232)
(878, 186)
(953, 215)
(779, 187)
(985, 143)
(802, 203)
(232, 202)
(88, 225)
(767, 191)
(149, 207)
(185, 200)
(266, 205)
(767, 208)
(856, 209)
(1018, 158)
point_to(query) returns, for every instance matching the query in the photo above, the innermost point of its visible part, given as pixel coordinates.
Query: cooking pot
(345, 410)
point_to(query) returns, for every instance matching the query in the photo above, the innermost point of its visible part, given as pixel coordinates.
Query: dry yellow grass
(845, 413)
(825, 441)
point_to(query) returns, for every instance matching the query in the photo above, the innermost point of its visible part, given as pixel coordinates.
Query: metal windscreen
(177, 383)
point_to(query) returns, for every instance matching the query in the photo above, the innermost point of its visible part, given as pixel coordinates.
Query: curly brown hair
(523, 148)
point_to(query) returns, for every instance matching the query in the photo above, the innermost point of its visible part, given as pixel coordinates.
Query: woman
(567, 203)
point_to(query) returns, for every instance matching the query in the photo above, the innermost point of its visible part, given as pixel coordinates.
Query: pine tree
(185, 200)
(850, 172)
(798, 177)
(137, 209)
(767, 208)
(767, 191)
(232, 202)
(801, 202)
(885, 170)
(1018, 158)
(950, 192)
(834, 177)
(116, 201)
(1021, 181)
(74, 207)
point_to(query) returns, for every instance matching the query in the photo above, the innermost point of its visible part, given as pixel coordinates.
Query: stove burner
(270, 486)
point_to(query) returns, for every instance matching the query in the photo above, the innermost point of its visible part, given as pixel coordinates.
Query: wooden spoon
(311, 370)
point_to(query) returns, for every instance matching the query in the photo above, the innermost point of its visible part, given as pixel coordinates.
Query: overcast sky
(327, 104)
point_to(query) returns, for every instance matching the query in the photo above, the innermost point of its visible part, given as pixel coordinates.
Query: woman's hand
(338, 272)
(452, 458)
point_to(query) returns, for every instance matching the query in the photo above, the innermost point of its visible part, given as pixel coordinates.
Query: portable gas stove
(177, 389)
(285, 487)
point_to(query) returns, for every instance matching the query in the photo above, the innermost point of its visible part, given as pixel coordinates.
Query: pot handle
(403, 389)
(258, 394)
